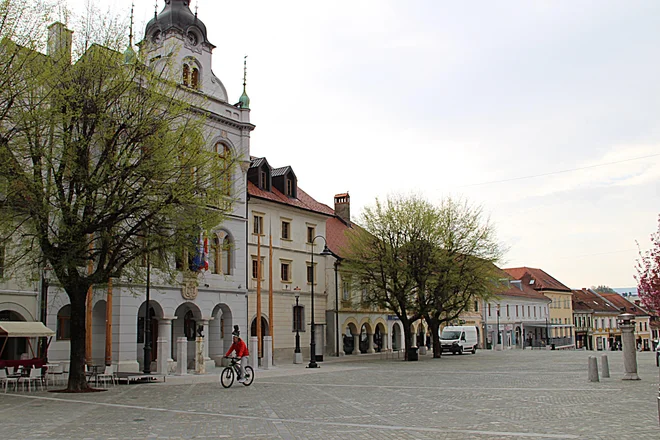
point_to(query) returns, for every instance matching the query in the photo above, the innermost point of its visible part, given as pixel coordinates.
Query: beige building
(282, 214)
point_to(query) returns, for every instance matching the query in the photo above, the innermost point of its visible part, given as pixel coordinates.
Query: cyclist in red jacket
(241, 350)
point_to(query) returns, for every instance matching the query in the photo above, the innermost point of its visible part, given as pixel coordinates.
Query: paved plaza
(490, 395)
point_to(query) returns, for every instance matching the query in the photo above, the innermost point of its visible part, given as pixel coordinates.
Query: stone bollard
(605, 365)
(200, 364)
(267, 360)
(162, 361)
(593, 369)
(627, 326)
(254, 352)
(182, 356)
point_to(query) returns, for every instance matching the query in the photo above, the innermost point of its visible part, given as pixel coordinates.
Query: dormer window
(262, 179)
(289, 187)
(190, 76)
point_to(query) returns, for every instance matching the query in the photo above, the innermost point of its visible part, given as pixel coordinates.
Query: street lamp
(312, 344)
(499, 340)
(297, 357)
(147, 324)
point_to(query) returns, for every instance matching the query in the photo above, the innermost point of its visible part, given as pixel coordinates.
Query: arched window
(226, 256)
(194, 78)
(224, 171)
(186, 75)
(64, 323)
(217, 259)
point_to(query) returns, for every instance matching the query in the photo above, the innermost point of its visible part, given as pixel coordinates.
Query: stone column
(356, 344)
(370, 343)
(182, 356)
(267, 360)
(210, 363)
(414, 339)
(165, 353)
(627, 326)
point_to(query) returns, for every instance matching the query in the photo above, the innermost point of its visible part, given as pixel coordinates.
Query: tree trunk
(77, 380)
(435, 327)
(407, 337)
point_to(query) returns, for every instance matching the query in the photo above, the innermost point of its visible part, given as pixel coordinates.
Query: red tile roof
(624, 305)
(586, 300)
(303, 201)
(541, 280)
(523, 291)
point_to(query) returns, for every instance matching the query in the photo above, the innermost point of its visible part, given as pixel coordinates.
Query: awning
(20, 329)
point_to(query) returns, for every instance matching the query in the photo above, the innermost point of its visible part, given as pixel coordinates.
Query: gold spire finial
(130, 34)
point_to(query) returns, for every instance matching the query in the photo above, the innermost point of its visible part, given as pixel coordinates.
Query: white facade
(215, 299)
(520, 319)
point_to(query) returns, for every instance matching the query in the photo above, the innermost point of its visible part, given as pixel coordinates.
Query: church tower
(176, 42)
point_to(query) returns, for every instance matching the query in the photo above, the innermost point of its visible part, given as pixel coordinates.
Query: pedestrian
(241, 352)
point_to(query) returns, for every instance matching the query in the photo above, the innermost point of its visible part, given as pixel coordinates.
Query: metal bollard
(593, 369)
(605, 366)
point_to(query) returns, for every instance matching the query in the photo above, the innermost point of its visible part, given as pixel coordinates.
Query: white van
(459, 339)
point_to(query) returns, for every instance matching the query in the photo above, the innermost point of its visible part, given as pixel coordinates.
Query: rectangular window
(255, 267)
(286, 230)
(311, 276)
(298, 318)
(258, 224)
(346, 294)
(507, 310)
(488, 309)
(476, 306)
(311, 233)
(516, 310)
(529, 311)
(289, 187)
(534, 311)
(263, 183)
(285, 270)
(523, 310)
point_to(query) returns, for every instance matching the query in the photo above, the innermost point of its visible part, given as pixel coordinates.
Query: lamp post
(297, 356)
(312, 344)
(336, 308)
(499, 341)
(147, 324)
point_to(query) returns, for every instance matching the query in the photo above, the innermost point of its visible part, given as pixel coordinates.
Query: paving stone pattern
(490, 395)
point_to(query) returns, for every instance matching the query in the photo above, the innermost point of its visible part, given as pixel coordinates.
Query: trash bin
(412, 354)
(552, 346)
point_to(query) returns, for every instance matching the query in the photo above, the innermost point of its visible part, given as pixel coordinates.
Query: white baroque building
(215, 299)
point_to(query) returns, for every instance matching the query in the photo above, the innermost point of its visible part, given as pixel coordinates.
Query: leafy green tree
(648, 273)
(98, 155)
(463, 265)
(382, 255)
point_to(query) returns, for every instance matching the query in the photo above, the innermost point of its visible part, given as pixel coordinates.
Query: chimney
(59, 42)
(343, 206)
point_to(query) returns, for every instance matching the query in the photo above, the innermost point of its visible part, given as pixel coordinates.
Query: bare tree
(97, 155)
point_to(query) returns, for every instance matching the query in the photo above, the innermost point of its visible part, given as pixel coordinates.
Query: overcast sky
(547, 113)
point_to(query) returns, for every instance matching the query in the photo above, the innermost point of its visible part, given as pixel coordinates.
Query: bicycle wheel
(227, 377)
(249, 376)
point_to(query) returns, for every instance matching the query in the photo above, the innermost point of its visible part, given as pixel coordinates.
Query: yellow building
(560, 308)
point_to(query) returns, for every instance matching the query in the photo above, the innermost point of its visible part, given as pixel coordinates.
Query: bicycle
(233, 370)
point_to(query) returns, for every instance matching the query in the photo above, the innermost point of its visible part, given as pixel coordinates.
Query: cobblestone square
(490, 395)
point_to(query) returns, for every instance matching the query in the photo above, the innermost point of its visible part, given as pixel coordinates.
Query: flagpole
(270, 298)
(258, 318)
